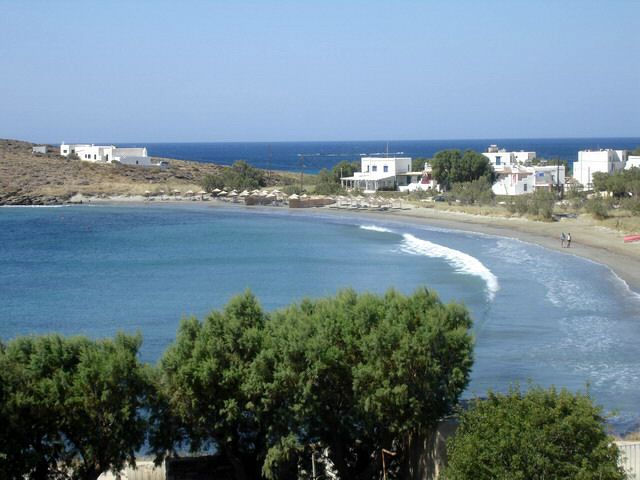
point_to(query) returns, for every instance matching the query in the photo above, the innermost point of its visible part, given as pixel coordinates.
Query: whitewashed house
(519, 179)
(633, 161)
(417, 181)
(110, 154)
(592, 161)
(500, 158)
(378, 173)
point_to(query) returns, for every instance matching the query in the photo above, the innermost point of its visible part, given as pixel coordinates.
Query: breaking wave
(375, 228)
(461, 262)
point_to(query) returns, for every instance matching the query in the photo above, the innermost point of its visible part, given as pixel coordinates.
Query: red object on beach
(631, 238)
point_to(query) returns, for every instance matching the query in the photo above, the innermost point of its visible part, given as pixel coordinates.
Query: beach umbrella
(176, 192)
(294, 197)
(275, 191)
(202, 193)
(244, 193)
(304, 195)
(255, 192)
(189, 192)
(216, 190)
(222, 193)
(147, 193)
(233, 194)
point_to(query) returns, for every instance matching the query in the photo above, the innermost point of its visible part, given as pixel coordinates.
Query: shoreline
(591, 242)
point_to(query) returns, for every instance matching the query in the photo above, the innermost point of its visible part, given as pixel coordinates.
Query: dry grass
(29, 178)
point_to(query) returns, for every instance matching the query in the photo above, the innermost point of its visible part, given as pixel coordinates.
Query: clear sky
(309, 70)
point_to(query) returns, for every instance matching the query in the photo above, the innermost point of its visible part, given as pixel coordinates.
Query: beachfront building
(388, 173)
(377, 173)
(109, 154)
(500, 158)
(633, 161)
(592, 161)
(417, 181)
(519, 179)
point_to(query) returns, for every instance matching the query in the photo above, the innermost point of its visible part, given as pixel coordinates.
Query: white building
(109, 154)
(417, 181)
(499, 157)
(592, 161)
(378, 173)
(632, 161)
(518, 179)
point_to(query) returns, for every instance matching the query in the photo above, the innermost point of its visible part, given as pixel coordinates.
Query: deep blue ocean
(539, 315)
(289, 156)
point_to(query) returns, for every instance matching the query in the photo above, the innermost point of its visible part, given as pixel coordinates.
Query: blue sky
(309, 70)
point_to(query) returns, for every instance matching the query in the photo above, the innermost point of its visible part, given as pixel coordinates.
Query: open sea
(548, 317)
(313, 156)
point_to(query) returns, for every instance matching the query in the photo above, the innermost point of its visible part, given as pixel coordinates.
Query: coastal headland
(28, 179)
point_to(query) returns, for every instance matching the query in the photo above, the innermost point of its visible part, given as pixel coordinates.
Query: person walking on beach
(562, 239)
(568, 240)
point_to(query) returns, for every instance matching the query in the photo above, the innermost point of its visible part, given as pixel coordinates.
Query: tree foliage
(354, 373)
(326, 183)
(344, 169)
(538, 204)
(474, 192)
(533, 435)
(239, 176)
(620, 184)
(357, 373)
(71, 407)
(453, 166)
(206, 383)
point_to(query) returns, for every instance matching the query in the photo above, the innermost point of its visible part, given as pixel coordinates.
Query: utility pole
(269, 164)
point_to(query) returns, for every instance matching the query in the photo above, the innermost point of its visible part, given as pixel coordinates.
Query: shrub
(598, 207)
(212, 181)
(534, 435)
(474, 192)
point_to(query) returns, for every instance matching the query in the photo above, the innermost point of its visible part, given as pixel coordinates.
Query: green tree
(344, 169)
(241, 175)
(326, 183)
(357, 373)
(473, 192)
(417, 164)
(205, 384)
(453, 166)
(74, 405)
(212, 181)
(534, 435)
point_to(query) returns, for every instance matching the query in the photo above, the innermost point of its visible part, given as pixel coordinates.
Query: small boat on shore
(631, 238)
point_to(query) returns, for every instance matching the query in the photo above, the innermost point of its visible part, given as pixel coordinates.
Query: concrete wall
(631, 458)
(143, 471)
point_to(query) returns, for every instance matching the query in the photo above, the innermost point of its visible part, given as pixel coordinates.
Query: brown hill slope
(33, 179)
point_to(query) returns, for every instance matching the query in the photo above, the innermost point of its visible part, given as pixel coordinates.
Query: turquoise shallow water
(539, 315)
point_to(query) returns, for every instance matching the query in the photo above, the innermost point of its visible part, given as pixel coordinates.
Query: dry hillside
(34, 179)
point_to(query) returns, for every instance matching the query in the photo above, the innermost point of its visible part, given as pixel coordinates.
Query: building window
(525, 187)
(385, 168)
(374, 168)
(95, 157)
(498, 160)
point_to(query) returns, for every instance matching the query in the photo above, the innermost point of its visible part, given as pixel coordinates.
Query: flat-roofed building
(499, 157)
(592, 161)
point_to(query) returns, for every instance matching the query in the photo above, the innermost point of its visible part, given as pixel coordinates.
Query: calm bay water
(317, 155)
(543, 316)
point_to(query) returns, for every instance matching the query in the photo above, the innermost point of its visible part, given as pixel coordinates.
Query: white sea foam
(375, 228)
(461, 262)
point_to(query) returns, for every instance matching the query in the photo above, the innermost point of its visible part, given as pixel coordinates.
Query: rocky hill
(37, 179)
